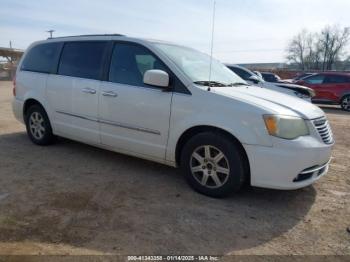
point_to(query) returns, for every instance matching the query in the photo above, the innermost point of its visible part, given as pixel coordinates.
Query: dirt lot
(71, 198)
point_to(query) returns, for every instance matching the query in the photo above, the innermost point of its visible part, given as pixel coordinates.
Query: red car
(330, 88)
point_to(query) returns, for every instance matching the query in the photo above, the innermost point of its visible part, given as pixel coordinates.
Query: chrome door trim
(136, 128)
(112, 123)
(78, 116)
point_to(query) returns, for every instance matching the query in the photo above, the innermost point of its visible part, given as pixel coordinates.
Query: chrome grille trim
(324, 130)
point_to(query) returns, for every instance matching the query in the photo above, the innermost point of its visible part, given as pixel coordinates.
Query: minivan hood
(272, 101)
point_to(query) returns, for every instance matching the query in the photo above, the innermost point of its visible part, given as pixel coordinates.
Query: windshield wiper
(210, 83)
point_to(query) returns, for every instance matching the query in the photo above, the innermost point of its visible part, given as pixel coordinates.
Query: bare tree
(318, 51)
(297, 49)
(333, 40)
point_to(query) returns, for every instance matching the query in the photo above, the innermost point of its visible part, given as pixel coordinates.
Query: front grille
(324, 130)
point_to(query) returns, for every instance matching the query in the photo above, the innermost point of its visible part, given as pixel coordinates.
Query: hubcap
(36, 125)
(209, 166)
(346, 103)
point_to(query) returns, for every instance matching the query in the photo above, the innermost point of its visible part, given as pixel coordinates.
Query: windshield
(196, 66)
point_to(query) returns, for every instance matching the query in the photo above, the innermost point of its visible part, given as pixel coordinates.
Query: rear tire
(213, 164)
(345, 103)
(38, 126)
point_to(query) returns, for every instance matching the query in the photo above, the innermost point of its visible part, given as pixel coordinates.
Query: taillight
(14, 86)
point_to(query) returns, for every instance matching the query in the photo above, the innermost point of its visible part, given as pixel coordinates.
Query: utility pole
(50, 32)
(10, 44)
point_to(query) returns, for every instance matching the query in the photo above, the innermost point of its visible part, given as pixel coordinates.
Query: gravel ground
(70, 198)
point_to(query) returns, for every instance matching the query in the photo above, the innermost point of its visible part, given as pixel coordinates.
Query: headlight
(287, 127)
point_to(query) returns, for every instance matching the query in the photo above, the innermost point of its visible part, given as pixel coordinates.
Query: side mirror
(156, 78)
(254, 79)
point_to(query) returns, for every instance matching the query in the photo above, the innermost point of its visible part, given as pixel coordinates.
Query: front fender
(246, 125)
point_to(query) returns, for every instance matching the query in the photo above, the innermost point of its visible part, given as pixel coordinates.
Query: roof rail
(86, 35)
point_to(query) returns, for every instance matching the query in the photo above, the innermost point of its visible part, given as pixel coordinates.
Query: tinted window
(302, 76)
(130, 62)
(41, 58)
(241, 73)
(82, 59)
(334, 79)
(317, 79)
(269, 77)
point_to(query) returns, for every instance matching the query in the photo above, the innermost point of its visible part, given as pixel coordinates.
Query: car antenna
(212, 44)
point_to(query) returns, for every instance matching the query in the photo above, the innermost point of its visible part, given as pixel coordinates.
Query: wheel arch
(28, 103)
(191, 132)
(344, 95)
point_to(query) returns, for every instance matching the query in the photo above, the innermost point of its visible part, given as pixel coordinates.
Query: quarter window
(334, 79)
(82, 59)
(41, 58)
(130, 62)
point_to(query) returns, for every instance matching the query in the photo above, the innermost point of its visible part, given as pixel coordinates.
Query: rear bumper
(17, 108)
(289, 164)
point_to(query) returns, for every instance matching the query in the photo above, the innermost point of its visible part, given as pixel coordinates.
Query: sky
(250, 31)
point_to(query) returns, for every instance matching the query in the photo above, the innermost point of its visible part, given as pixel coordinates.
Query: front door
(134, 117)
(316, 82)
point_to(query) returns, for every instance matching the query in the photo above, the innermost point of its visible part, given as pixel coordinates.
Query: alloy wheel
(36, 125)
(346, 103)
(209, 166)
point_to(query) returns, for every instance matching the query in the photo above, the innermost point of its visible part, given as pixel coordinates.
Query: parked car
(271, 77)
(258, 74)
(301, 76)
(156, 101)
(330, 88)
(290, 89)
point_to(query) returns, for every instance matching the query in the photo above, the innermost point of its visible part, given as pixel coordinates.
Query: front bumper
(288, 164)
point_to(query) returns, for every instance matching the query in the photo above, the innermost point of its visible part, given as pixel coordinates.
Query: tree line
(319, 50)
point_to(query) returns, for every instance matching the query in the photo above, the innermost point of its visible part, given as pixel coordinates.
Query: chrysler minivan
(173, 105)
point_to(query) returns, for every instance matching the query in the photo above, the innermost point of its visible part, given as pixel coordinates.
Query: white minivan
(159, 101)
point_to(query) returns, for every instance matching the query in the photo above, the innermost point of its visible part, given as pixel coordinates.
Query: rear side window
(334, 79)
(41, 58)
(82, 59)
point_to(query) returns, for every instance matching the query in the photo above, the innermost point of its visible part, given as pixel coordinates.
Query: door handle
(109, 93)
(89, 91)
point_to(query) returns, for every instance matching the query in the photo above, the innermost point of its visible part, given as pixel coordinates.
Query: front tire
(213, 164)
(345, 103)
(38, 126)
